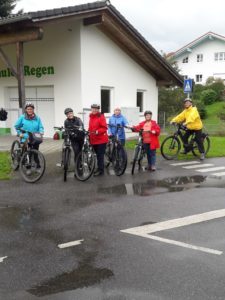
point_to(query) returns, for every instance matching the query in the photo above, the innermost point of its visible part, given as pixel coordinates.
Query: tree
(6, 7)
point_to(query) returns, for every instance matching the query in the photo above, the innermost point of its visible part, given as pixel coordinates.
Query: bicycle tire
(15, 155)
(119, 160)
(85, 164)
(107, 155)
(170, 147)
(206, 143)
(66, 162)
(137, 149)
(29, 162)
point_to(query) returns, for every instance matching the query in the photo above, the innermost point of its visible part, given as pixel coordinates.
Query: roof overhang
(107, 19)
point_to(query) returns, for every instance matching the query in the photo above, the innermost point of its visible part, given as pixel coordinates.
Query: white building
(202, 58)
(88, 54)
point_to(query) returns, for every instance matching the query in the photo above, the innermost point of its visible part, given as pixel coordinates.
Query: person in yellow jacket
(190, 118)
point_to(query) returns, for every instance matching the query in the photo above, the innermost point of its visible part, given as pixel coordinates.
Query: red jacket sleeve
(102, 125)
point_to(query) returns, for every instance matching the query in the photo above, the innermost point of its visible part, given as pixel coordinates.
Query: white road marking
(186, 163)
(144, 231)
(2, 258)
(219, 174)
(211, 169)
(199, 166)
(70, 244)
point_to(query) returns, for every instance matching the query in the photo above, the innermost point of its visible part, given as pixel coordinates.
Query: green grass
(212, 123)
(5, 169)
(217, 147)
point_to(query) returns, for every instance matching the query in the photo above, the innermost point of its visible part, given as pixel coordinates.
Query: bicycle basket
(36, 138)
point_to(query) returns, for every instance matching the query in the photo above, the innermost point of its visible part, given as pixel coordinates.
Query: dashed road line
(219, 174)
(2, 258)
(199, 166)
(70, 244)
(211, 169)
(185, 163)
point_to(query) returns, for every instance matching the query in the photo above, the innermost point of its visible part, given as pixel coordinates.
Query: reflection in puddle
(15, 217)
(153, 187)
(84, 276)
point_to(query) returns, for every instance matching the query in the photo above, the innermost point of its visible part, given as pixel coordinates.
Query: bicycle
(139, 152)
(29, 161)
(66, 149)
(171, 145)
(115, 153)
(86, 159)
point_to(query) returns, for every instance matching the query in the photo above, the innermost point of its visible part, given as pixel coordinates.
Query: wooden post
(20, 72)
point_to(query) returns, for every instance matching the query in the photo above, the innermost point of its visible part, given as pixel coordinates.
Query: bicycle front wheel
(32, 165)
(15, 155)
(85, 164)
(137, 153)
(66, 162)
(170, 147)
(206, 144)
(119, 160)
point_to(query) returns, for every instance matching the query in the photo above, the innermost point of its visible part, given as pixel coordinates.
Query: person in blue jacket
(31, 122)
(118, 119)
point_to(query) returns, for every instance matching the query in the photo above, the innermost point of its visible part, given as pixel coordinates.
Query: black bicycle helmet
(95, 106)
(187, 99)
(67, 110)
(147, 112)
(29, 104)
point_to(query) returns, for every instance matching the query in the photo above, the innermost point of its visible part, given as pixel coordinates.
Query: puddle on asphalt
(84, 276)
(15, 217)
(154, 187)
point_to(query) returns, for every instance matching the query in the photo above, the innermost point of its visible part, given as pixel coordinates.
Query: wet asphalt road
(110, 264)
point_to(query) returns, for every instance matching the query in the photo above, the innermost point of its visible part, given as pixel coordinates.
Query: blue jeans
(100, 152)
(151, 155)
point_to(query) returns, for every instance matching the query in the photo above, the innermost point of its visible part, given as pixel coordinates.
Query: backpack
(3, 114)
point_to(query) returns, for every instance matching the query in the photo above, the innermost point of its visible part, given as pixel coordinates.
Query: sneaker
(202, 156)
(148, 168)
(153, 168)
(98, 173)
(28, 172)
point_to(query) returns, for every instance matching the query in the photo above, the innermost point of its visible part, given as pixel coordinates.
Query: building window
(219, 56)
(185, 77)
(105, 100)
(199, 78)
(185, 60)
(140, 100)
(199, 57)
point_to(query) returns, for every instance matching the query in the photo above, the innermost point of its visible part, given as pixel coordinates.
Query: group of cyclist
(100, 131)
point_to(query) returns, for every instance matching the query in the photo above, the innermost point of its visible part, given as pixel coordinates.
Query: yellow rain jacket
(190, 118)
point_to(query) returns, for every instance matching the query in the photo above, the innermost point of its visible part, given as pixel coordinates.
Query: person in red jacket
(151, 131)
(98, 136)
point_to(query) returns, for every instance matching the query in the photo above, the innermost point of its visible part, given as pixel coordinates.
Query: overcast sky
(167, 24)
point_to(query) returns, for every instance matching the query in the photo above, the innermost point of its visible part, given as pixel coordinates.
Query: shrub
(208, 96)
(201, 109)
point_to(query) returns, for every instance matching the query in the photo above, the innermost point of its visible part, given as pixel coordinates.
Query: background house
(88, 54)
(202, 58)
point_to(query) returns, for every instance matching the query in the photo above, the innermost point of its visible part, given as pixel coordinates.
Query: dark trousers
(77, 146)
(198, 137)
(100, 152)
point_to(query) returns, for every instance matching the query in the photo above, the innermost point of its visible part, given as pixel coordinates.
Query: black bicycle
(171, 145)
(29, 161)
(86, 159)
(139, 152)
(115, 153)
(67, 134)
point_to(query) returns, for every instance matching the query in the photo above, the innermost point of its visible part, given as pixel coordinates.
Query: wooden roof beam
(25, 35)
